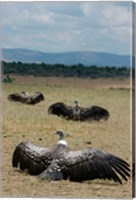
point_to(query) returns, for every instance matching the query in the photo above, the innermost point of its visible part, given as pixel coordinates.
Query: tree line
(61, 70)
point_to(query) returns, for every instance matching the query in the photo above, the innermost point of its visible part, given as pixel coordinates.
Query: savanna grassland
(25, 122)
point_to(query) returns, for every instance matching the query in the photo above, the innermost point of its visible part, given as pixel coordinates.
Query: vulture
(59, 162)
(25, 98)
(78, 113)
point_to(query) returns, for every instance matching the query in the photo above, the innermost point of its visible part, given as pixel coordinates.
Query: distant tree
(79, 70)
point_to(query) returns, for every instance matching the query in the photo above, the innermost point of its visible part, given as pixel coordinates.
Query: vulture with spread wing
(78, 113)
(25, 98)
(59, 162)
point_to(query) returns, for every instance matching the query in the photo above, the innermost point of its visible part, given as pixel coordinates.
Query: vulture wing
(37, 97)
(29, 157)
(61, 109)
(87, 164)
(91, 164)
(94, 113)
(17, 97)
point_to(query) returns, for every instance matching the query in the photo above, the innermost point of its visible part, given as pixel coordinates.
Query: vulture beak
(56, 132)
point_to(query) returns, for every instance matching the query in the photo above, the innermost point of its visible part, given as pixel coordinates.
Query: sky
(67, 26)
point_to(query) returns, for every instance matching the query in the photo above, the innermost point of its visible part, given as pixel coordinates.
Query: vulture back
(34, 99)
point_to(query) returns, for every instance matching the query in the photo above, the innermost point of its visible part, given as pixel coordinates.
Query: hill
(86, 58)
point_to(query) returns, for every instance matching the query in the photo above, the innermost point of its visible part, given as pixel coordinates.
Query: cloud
(116, 16)
(67, 26)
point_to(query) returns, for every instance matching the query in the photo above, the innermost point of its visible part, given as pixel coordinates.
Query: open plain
(27, 122)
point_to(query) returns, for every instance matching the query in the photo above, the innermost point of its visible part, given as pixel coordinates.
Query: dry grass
(23, 122)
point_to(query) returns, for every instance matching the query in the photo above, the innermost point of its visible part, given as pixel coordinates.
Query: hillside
(69, 58)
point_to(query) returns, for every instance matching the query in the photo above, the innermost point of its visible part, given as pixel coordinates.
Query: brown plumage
(25, 98)
(77, 112)
(59, 162)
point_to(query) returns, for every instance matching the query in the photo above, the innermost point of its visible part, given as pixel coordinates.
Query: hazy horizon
(67, 51)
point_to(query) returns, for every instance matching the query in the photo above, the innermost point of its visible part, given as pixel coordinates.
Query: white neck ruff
(63, 142)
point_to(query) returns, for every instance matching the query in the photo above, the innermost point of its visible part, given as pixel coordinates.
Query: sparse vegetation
(8, 79)
(23, 122)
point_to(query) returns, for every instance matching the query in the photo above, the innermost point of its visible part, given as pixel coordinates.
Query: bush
(7, 79)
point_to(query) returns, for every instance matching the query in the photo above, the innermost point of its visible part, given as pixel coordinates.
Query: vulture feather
(59, 162)
(25, 98)
(78, 113)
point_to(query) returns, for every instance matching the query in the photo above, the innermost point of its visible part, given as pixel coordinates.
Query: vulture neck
(76, 105)
(76, 111)
(62, 141)
(24, 93)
